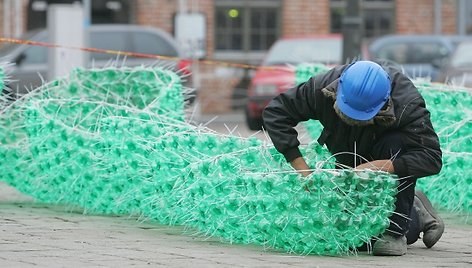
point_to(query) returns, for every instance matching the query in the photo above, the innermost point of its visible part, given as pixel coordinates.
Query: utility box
(190, 32)
(66, 28)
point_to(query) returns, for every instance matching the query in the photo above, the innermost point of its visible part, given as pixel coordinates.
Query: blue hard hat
(364, 88)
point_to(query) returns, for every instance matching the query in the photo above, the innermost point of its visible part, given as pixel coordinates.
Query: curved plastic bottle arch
(114, 141)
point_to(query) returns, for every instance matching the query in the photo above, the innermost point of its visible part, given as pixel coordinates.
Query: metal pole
(194, 6)
(352, 30)
(87, 12)
(182, 6)
(7, 18)
(437, 17)
(461, 18)
(18, 19)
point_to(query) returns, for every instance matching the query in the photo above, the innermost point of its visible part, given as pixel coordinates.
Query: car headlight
(264, 90)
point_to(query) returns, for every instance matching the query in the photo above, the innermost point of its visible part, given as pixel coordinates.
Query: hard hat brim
(356, 114)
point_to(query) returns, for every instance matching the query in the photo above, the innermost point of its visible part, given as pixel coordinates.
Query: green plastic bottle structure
(2, 77)
(116, 141)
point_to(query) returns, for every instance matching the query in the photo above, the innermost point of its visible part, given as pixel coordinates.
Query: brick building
(243, 30)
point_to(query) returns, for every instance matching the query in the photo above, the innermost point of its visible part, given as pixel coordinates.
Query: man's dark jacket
(405, 114)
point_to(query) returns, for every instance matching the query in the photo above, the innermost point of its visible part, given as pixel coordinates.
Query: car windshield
(410, 52)
(296, 51)
(462, 56)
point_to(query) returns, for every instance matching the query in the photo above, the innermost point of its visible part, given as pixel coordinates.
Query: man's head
(363, 89)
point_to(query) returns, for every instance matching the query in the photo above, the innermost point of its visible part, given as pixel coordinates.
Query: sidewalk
(49, 236)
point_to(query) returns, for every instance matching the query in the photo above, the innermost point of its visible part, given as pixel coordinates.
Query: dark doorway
(103, 11)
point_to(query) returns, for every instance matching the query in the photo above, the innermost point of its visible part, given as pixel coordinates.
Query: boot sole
(429, 207)
(388, 253)
(392, 248)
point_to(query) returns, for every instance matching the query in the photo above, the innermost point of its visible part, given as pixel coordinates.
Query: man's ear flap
(331, 90)
(352, 122)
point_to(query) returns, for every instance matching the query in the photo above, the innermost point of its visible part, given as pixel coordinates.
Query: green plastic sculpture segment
(2, 78)
(115, 141)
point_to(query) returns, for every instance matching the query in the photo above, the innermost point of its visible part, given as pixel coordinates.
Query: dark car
(275, 74)
(458, 70)
(419, 55)
(31, 61)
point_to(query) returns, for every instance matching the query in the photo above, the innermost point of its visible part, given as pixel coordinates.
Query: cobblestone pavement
(39, 235)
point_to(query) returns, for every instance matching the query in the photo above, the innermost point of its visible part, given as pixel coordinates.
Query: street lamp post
(352, 30)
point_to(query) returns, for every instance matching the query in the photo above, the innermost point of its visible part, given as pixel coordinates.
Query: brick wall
(1, 21)
(448, 16)
(24, 4)
(160, 14)
(301, 17)
(156, 13)
(417, 17)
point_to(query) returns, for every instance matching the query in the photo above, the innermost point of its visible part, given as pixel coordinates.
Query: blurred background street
(208, 40)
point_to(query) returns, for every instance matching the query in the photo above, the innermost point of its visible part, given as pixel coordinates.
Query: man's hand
(380, 165)
(301, 166)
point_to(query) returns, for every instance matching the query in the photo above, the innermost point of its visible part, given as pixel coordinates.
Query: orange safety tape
(141, 55)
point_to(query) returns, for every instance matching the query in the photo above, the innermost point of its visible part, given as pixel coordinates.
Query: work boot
(389, 245)
(431, 224)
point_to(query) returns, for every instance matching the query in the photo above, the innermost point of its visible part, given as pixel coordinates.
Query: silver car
(419, 55)
(31, 61)
(458, 70)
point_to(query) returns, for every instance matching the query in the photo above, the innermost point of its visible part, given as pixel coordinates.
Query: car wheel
(253, 123)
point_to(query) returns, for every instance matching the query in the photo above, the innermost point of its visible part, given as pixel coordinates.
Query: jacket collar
(385, 117)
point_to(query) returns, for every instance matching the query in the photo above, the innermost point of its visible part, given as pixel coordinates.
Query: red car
(276, 74)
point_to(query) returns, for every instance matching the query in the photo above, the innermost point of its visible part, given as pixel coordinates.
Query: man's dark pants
(405, 219)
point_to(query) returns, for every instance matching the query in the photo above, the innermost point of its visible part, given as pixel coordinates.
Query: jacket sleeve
(422, 156)
(284, 112)
(298, 104)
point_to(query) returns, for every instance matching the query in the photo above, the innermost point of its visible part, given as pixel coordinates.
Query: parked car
(31, 61)
(419, 55)
(458, 70)
(268, 82)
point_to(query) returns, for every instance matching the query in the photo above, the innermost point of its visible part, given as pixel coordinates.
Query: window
(116, 11)
(112, 41)
(427, 52)
(298, 50)
(263, 28)
(412, 52)
(378, 16)
(229, 29)
(148, 43)
(246, 25)
(377, 22)
(109, 11)
(468, 16)
(36, 55)
(462, 57)
(395, 52)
